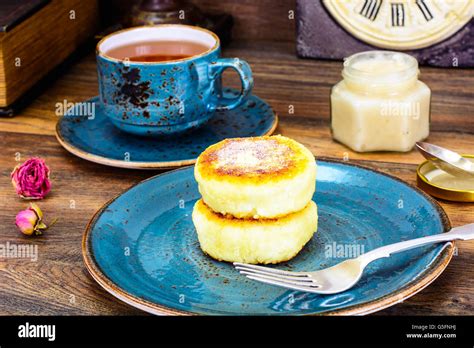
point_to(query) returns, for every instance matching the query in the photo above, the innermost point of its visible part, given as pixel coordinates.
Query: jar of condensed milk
(380, 105)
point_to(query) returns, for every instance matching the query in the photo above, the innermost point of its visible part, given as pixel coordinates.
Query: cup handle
(216, 69)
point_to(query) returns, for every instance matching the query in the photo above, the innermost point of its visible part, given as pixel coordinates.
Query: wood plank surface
(58, 282)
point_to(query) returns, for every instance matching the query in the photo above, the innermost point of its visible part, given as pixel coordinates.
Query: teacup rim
(194, 27)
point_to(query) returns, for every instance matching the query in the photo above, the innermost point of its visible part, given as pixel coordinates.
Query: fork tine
(256, 272)
(269, 270)
(286, 279)
(285, 285)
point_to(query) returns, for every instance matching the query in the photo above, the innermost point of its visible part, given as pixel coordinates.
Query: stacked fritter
(256, 204)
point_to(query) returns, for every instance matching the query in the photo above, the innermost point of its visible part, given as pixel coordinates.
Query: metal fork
(346, 274)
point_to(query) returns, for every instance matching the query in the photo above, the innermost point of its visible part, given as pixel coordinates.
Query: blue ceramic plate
(143, 249)
(97, 140)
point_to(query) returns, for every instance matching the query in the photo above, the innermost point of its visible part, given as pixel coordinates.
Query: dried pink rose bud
(31, 179)
(30, 221)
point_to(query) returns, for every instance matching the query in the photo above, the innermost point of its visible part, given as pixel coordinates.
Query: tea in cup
(165, 79)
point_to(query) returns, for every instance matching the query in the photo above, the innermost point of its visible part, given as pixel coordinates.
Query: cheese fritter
(226, 238)
(259, 177)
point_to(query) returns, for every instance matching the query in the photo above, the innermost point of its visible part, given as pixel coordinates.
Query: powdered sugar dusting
(253, 156)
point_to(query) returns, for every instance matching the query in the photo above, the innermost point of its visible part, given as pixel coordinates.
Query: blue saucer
(97, 140)
(142, 248)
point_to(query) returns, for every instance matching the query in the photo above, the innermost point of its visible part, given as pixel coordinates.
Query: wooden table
(58, 283)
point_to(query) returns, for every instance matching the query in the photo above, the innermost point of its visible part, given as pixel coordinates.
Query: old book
(36, 36)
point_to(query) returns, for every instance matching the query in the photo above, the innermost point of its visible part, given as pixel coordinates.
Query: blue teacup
(167, 97)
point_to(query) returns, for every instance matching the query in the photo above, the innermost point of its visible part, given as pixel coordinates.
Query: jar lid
(442, 185)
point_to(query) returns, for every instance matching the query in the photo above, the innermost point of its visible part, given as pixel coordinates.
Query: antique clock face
(401, 24)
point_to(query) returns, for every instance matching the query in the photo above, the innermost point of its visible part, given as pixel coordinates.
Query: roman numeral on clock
(398, 14)
(371, 8)
(424, 9)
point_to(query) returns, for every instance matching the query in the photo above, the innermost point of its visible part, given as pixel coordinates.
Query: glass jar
(380, 105)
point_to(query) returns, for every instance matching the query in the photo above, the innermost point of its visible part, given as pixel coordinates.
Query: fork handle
(465, 232)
